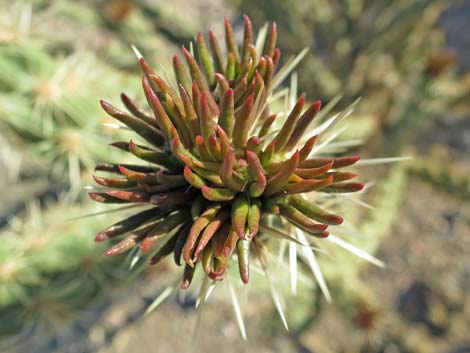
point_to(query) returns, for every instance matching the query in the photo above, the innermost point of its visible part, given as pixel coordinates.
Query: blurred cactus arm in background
(50, 276)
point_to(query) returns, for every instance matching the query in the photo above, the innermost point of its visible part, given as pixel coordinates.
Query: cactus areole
(218, 166)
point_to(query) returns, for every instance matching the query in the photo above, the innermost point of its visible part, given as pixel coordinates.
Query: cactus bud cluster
(218, 165)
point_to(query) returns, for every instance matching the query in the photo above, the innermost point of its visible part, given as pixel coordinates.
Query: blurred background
(409, 60)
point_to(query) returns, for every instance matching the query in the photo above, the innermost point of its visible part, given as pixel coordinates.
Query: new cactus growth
(218, 165)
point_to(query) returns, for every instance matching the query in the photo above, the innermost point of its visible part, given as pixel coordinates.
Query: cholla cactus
(220, 172)
(48, 272)
(48, 106)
